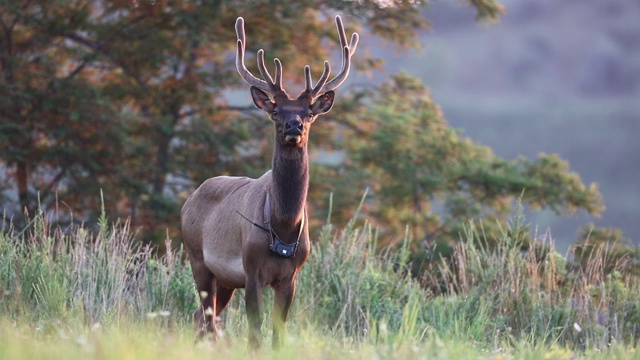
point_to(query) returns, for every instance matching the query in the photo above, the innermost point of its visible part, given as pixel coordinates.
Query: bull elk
(252, 233)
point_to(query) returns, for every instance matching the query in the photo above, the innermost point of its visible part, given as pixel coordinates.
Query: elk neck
(290, 184)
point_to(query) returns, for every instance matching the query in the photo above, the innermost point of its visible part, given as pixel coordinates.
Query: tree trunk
(22, 179)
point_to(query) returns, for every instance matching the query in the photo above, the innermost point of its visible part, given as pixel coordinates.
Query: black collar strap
(276, 245)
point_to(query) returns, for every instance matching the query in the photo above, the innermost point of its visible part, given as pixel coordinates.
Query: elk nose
(293, 126)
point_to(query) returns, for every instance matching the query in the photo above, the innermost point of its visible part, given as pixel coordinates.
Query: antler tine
(278, 82)
(274, 86)
(322, 81)
(270, 86)
(347, 51)
(307, 78)
(341, 33)
(263, 69)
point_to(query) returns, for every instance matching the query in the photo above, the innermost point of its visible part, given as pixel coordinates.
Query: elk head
(294, 116)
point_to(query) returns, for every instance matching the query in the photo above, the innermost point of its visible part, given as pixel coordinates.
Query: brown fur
(226, 251)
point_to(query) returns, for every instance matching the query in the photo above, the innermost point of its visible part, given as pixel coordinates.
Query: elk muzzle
(293, 131)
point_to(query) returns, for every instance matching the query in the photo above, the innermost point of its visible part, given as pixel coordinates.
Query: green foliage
(56, 129)
(127, 96)
(51, 275)
(354, 290)
(488, 10)
(491, 295)
(539, 295)
(425, 174)
(609, 247)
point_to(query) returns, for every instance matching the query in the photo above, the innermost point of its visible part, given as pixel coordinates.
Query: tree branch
(52, 185)
(349, 125)
(248, 109)
(84, 41)
(77, 70)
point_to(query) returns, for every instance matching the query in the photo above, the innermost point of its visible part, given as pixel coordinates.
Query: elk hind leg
(223, 296)
(204, 314)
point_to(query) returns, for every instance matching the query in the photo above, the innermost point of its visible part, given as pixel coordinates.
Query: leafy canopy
(130, 97)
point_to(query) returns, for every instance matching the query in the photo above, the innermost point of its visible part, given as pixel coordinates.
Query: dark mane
(289, 186)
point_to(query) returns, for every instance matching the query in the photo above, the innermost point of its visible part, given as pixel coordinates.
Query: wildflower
(203, 294)
(164, 313)
(81, 340)
(577, 327)
(209, 311)
(152, 315)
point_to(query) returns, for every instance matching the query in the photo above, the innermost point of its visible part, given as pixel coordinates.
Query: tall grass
(510, 292)
(74, 276)
(491, 295)
(494, 292)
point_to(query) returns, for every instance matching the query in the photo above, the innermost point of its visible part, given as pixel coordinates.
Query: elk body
(252, 233)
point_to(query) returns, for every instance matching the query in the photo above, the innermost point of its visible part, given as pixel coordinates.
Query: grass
(71, 293)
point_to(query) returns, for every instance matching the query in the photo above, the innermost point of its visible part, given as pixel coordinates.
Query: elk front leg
(252, 299)
(282, 302)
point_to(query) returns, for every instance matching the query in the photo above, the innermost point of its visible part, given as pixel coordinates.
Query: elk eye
(310, 114)
(274, 113)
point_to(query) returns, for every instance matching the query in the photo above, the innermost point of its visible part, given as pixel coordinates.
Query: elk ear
(323, 103)
(261, 99)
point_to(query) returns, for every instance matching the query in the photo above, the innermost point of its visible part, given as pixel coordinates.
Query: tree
(425, 175)
(126, 96)
(57, 131)
(172, 64)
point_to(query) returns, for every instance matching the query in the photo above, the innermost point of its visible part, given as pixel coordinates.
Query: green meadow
(89, 293)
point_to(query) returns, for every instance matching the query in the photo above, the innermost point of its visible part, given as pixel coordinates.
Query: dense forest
(129, 99)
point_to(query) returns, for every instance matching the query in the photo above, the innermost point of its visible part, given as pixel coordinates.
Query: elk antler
(322, 85)
(269, 86)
